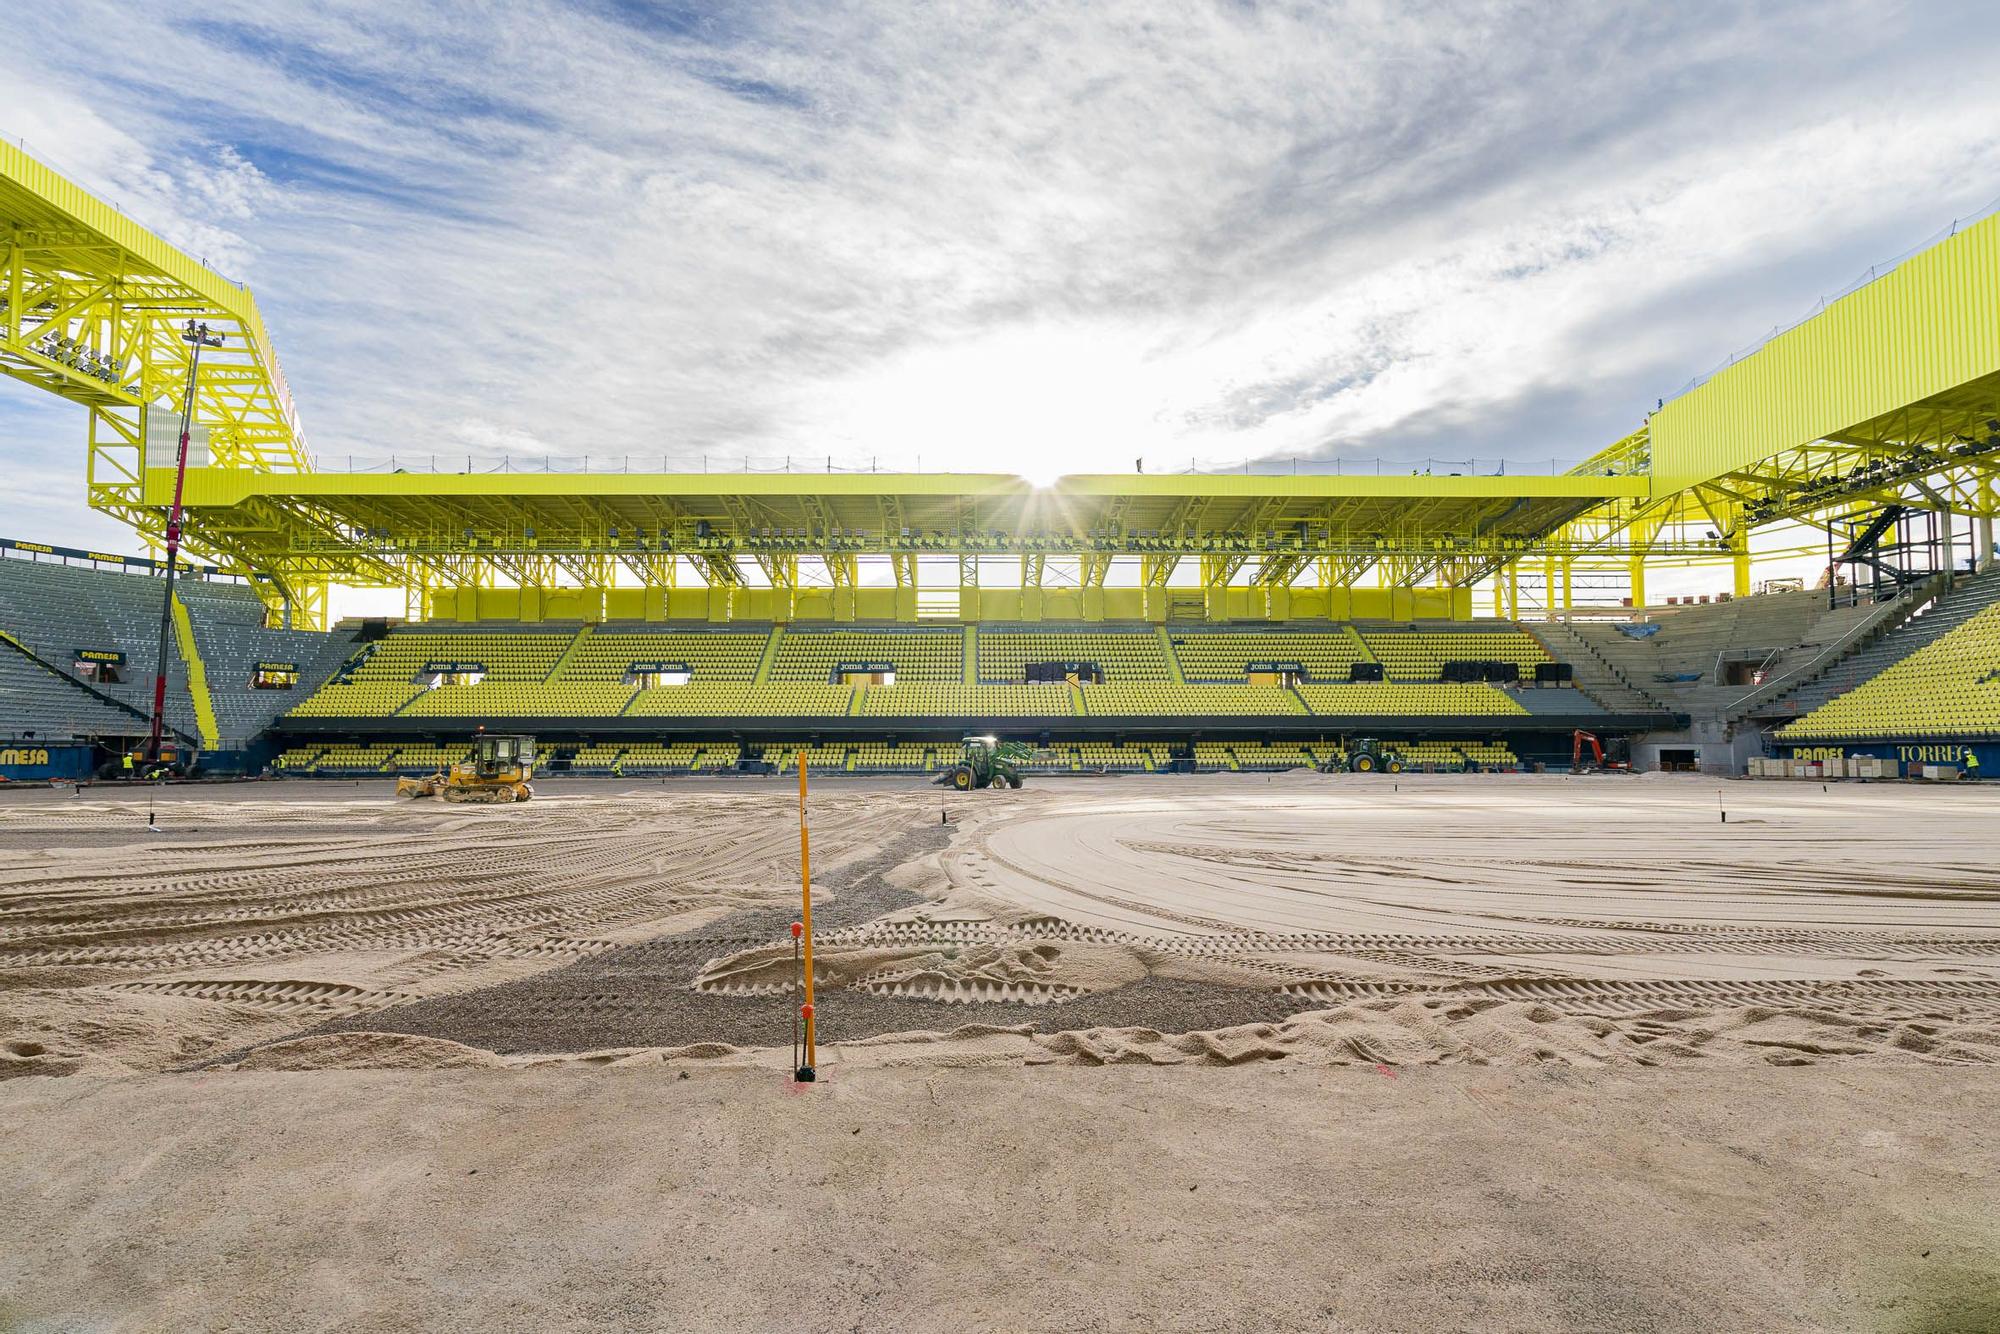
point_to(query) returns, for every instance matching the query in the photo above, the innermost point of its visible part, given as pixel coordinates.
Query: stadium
(1393, 780)
(673, 623)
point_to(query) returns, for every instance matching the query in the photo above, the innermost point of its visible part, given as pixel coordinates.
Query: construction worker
(618, 767)
(128, 764)
(1971, 765)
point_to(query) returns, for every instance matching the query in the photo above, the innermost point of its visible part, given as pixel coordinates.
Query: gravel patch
(642, 995)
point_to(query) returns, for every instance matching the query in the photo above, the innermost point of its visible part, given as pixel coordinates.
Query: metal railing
(465, 464)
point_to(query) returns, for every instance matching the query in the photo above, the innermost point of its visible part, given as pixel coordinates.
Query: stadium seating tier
(1949, 688)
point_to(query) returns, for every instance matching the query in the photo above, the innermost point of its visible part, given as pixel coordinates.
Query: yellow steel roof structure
(1318, 529)
(1890, 392)
(92, 306)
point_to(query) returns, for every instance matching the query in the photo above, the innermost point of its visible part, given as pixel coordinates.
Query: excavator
(1620, 761)
(986, 761)
(498, 772)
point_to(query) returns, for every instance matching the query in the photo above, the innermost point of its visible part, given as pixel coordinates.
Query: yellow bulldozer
(498, 772)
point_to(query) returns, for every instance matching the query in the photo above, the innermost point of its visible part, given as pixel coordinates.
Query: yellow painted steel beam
(94, 308)
(1922, 330)
(92, 305)
(228, 486)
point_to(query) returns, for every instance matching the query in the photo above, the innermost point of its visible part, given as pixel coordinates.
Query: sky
(1033, 238)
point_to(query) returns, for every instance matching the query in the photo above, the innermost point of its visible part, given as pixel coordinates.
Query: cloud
(194, 197)
(1036, 237)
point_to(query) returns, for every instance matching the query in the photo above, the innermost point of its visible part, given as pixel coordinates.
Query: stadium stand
(57, 610)
(1005, 651)
(786, 759)
(43, 704)
(1158, 698)
(1212, 756)
(1441, 754)
(639, 697)
(680, 757)
(599, 757)
(351, 759)
(710, 655)
(1265, 755)
(1382, 699)
(1217, 654)
(228, 626)
(916, 655)
(727, 699)
(1896, 640)
(1689, 660)
(1596, 675)
(896, 758)
(1420, 655)
(931, 700)
(1939, 678)
(389, 676)
(583, 675)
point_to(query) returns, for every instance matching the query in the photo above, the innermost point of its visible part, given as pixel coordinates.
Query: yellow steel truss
(91, 309)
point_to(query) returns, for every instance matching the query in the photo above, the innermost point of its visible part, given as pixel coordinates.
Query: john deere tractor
(498, 772)
(1364, 755)
(986, 762)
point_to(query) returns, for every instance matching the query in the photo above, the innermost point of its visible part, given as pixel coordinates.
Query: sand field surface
(1493, 918)
(1563, 984)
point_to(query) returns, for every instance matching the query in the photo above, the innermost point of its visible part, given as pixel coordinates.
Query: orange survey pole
(805, 1073)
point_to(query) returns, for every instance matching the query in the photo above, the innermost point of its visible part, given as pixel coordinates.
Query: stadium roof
(888, 511)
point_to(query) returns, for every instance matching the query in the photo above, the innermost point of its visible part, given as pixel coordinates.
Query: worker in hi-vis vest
(128, 764)
(1971, 765)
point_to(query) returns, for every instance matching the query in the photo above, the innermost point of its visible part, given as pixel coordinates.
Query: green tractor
(1365, 755)
(987, 762)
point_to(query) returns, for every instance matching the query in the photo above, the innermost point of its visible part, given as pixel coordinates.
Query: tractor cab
(494, 757)
(986, 761)
(1364, 755)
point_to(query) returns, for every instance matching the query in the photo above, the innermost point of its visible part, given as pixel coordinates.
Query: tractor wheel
(1393, 765)
(1363, 764)
(1014, 781)
(961, 779)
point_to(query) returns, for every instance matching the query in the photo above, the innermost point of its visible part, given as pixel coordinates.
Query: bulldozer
(986, 761)
(1365, 755)
(498, 772)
